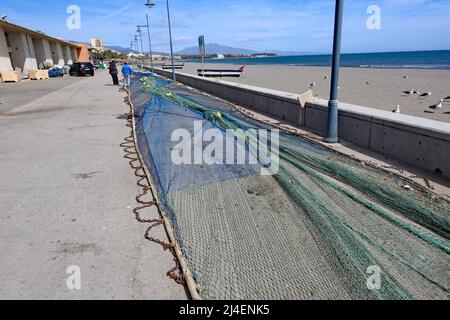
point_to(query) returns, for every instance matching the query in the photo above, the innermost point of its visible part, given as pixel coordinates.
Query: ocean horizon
(436, 59)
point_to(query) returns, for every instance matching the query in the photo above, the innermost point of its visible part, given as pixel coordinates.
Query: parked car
(56, 72)
(81, 69)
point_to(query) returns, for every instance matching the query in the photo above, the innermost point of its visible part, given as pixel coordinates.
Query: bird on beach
(437, 106)
(397, 109)
(426, 94)
(312, 84)
(448, 98)
(412, 91)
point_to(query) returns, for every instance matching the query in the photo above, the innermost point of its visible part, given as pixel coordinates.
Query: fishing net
(314, 230)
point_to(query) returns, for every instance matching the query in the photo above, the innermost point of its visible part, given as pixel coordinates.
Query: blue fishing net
(313, 230)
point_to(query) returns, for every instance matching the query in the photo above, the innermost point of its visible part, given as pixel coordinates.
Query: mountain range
(128, 50)
(214, 48)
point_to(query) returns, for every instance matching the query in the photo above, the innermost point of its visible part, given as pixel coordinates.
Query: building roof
(8, 26)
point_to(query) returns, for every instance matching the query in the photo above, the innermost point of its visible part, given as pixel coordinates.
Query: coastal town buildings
(97, 44)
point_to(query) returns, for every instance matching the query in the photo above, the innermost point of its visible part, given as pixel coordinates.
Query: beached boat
(220, 72)
(176, 65)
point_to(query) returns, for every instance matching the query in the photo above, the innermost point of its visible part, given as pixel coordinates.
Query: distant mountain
(128, 50)
(291, 53)
(214, 48)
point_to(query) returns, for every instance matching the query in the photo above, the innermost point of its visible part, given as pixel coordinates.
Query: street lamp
(148, 32)
(136, 43)
(142, 46)
(151, 4)
(333, 104)
(131, 47)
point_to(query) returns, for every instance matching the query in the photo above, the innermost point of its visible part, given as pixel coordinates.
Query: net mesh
(309, 232)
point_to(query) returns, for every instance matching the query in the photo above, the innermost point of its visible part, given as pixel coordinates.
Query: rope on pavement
(179, 273)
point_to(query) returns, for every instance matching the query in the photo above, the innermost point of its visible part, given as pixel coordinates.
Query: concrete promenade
(66, 198)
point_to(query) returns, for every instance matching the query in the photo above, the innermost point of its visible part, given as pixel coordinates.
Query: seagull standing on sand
(426, 94)
(437, 106)
(397, 109)
(412, 91)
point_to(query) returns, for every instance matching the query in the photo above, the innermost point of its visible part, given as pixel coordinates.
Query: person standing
(126, 72)
(114, 73)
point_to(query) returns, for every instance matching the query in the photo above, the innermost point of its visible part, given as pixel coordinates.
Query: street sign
(201, 45)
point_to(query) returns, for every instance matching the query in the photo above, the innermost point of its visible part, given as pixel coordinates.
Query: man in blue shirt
(126, 72)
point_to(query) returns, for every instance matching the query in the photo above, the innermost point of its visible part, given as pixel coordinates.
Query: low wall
(421, 142)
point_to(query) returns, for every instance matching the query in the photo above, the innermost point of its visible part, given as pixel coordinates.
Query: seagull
(448, 98)
(397, 109)
(412, 91)
(426, 94)
(437, 106)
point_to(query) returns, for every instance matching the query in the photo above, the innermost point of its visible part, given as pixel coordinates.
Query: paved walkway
(14, 95)
(66, 198)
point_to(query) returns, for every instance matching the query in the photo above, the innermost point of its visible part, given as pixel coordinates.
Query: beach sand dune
(377, 88)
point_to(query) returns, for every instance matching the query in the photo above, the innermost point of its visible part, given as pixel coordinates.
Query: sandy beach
(376, 88)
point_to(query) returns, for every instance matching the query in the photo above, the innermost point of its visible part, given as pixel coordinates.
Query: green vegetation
(108, 55)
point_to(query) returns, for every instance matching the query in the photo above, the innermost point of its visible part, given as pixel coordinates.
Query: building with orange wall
(84, 52)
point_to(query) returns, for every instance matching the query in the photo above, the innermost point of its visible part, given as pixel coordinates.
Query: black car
(81, 69)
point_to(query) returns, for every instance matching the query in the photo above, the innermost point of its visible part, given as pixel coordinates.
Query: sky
(287, 25)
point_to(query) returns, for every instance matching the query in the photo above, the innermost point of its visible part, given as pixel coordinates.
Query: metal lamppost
(136, 43)
(149, 40)
(131, 47)
(142, 46)
(333, 104)
(151, 4)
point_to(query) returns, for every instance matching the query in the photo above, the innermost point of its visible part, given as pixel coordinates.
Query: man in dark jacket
(114, 72)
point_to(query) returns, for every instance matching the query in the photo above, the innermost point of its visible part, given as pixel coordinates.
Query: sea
(388, 60)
